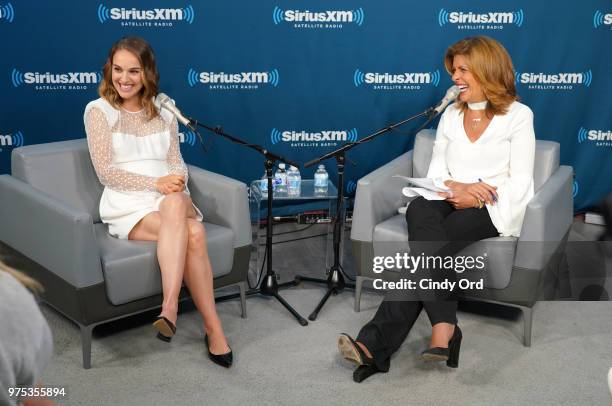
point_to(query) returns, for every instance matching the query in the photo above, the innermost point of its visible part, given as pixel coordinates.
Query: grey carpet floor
(279, 362)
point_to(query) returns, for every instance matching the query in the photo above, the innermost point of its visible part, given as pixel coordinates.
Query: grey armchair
(51, 217)
(519, 271)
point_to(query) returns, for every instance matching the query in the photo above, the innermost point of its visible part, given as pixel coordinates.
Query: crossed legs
(183, 256)
(434, 228)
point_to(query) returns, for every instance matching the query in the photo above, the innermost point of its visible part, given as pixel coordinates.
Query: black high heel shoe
(225, 360)
(165, 329)
(351, 351)
(450, 354)
(363, 372)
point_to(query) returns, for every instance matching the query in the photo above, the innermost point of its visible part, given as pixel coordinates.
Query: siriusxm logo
(148, 17)
(318, 19)
(488, 20)
(225, 81)
(55, 81)
(7, 12)
(556, 81)
(188, 138)
(600, 19)
(601, 138)
(351, 186)
(575, 189)
(322, 138)
(12, 140)
(396, 81)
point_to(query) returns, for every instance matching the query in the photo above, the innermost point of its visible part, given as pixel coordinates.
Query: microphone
(451, 94)
(163, 101)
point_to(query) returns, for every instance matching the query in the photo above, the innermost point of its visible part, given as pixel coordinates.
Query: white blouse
(503, 156)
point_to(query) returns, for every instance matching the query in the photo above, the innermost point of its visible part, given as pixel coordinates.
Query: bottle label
(320, 181)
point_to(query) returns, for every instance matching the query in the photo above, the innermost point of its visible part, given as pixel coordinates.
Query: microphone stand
(335, 281)
(269, 285)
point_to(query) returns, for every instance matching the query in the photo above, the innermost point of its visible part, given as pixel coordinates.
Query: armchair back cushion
(62, 170)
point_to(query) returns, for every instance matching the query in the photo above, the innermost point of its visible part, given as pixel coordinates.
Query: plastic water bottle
(263, 184)
(294, 181)
(280, 180)
(321, 180)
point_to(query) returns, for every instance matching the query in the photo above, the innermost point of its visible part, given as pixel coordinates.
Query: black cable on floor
(295, 231)
(295, 239)
(346, 275)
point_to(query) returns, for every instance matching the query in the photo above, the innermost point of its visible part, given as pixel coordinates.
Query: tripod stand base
(335, 284)
(269, 287)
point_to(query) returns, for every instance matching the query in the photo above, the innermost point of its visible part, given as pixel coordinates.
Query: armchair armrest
(379, 195)
(223, 201)
(57, 236)
(547, 221)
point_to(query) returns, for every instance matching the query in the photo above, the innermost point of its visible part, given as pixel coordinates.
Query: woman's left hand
(460, 199)
(170, 184)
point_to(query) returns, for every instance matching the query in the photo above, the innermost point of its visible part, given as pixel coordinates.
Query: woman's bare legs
(180, 259)
(170, 232)
(199, 280)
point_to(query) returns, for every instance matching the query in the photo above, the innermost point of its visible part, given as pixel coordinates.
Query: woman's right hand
(479, 190)
(170, 184)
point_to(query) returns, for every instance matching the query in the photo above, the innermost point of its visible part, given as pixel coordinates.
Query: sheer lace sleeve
(176, 165)
(99, 140)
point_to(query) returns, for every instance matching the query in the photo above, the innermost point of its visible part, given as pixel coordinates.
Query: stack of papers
(426, 187)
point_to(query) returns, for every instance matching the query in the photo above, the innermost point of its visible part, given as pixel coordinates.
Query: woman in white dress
(135, 152)
(484, 153)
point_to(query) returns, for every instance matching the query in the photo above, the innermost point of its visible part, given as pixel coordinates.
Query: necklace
(478, 106)
(476, 122)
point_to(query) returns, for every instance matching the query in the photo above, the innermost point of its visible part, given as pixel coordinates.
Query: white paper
(435, 185)
(426, 187)
(418, 191)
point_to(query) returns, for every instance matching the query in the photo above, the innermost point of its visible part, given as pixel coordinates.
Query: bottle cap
(321, 166)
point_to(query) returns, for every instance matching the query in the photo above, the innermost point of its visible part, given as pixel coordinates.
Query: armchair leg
(86, 333)
(528, 321)
(358, 285)
(243, 287)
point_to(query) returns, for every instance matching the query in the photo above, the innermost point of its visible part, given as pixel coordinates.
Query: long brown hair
(491, 66)
(31, 284)
(150, 77)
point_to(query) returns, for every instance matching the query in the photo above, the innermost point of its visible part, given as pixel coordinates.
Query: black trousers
(435, 228)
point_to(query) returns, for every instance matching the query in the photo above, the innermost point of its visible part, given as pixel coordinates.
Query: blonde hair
(491, 66)
(150, 77)
(30, 283)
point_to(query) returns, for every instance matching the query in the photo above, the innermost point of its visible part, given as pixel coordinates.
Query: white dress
(129, 153)
(503, 156)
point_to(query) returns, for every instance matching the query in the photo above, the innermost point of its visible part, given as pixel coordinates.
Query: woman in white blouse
(135, 152)
(484, 153)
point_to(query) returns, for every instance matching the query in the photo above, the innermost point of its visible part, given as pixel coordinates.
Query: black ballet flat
(351, 351)
(450, 354)
(165, 329)
(225, 360)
